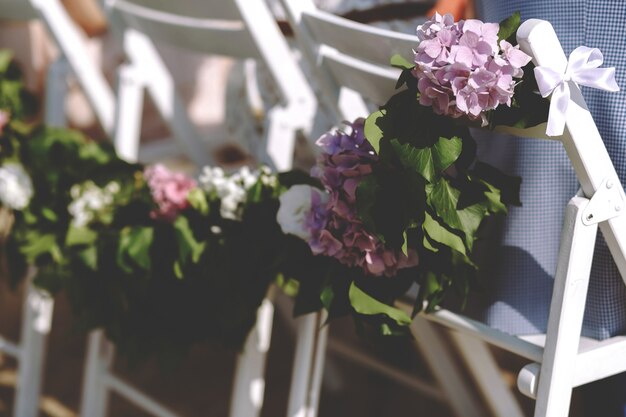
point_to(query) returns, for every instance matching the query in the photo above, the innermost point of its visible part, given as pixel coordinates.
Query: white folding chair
(73, 59)
(350, 62)
(238, 29)
(562, 359)
(38, 305)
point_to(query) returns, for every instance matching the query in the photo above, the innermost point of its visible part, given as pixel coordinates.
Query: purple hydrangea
(334, 226)
(462, 69)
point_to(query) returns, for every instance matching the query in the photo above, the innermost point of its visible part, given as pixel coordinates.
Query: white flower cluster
(90, 201)
(16, 188)
(232, 190)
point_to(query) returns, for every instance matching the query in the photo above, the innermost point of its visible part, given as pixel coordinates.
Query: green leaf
(327, 296)
(198, 201)
(189, 247)
(405, 244)
(372, 131)
(134, 245)
(49, 214)
(401, 62)
(364, 304)
(429, 162)
(508, 27)
(36, 245)
(440, 234)
(444, 199)
(80, 236)
(89, 257)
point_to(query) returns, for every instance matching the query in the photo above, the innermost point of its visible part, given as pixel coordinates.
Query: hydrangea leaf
(373, 132)
(508, 27)
(365, 304)
(429, 161)
(444, 200)
(398, 61)
(440, 234)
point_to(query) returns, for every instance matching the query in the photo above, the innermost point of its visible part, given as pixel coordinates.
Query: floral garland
(152, 256)
(395, 200)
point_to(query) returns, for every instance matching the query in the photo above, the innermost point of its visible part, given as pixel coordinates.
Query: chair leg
(566, 313)
(100, 354)
(442, 365)
(160, 85)
(56, 92)
(486, 373)
(308, 368)
(249, 381)
(280, 139)
(36, 323)
(128, 113)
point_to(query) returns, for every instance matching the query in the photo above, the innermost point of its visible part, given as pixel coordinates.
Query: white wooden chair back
(348, 55)
(234, 28)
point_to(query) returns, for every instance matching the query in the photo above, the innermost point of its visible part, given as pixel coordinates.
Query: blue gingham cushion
(520, 282)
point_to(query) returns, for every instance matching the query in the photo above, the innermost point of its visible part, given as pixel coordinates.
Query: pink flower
(169, 191)
(4, 120)
(431, 28)
(461, 68)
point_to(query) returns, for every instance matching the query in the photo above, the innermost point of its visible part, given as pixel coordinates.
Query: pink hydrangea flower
(463, 70)
(334, 228)
(4, 120)
(169, 191)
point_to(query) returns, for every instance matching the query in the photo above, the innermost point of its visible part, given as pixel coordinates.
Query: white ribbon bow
(582, 68)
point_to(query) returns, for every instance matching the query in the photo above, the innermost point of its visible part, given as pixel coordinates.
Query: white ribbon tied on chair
(582, 68)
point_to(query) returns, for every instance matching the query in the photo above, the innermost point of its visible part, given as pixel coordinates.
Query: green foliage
(508, 28)
(367, 305)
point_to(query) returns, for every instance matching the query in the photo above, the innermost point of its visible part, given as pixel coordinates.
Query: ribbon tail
(602, 78)
(558, 110)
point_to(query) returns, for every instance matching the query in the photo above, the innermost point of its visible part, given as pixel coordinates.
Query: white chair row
(345, 57)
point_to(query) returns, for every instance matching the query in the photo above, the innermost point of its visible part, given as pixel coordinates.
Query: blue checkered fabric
(519, 278)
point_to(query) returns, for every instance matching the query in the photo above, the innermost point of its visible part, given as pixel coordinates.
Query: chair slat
(373, 82)
(210, 36)
(359, 40)
(201, 9)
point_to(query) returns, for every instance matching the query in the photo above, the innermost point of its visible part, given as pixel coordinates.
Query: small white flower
(211, 178)
(295, 206)
(16, 188)
(89, 201)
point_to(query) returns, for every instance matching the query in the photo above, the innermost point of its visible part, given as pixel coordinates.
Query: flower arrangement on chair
(402, 195)
(396, 199)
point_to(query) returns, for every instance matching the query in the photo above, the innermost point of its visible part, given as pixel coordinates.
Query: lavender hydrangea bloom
(463, 70)
(333, 224)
